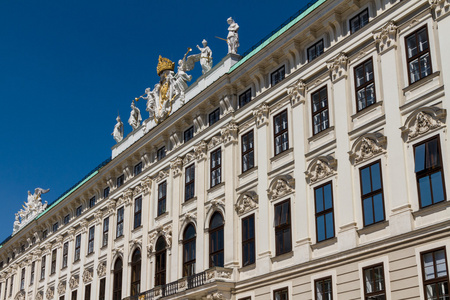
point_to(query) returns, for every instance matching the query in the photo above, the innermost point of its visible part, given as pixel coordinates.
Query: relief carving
(338, 67)
(61, 287)
(385, 37)
(87, 275)
(246, 202)
(229, 133)
(423, 120)
(367, 146)
(296, 92)
(200, 150)
(215, 141)
(101, 269)
(73, 282)
(50, 293)
(281, 186)
(176, 166)
(261, 114)
(320, 168)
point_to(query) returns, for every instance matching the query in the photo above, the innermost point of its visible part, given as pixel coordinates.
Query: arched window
(136, 272)
(160, 266)
(117, 286)
(216, 241)
(189, 251)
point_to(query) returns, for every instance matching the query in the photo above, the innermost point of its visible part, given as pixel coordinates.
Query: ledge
(248, 172)
(367, 110)
(247, 268)
(421, 82)
(216, 187)
(430, 209)
(166, 213)
(320, 134)
(281, 155)
(373, 227)
(324, 243)
(283, 256)
(189, 201)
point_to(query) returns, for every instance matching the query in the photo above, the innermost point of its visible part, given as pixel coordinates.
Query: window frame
(189, 186)
(53, 262)
(219, 231)
(189, 264)
(105, 232)
(22, 279)
(32, 272)
(79, 210)
(87, 292)
(281, 290)
(214, 116)
(246, 243)
(55, 227)
(372, 193)
(120, 180)
(319, 111)
(418, 55)
(92, 201)
(188, 134)
(358, 16)
(217, 167)
(160, 255)
(324, 212)
(365, 84)
(137, 168)
(315, 48)
(77, 255)
(137, 220)
(136, 272)
(435, 280)
(282, 227)
(66, 219)
(244, 164)
(281, 73)
(281, 132)
(65, 256)
(161, 153)
(162, 198)
(245, 98)
(322, 280)
(368, 295)
(120, 221)
(43, 262)
(91, 238)
(106, 191)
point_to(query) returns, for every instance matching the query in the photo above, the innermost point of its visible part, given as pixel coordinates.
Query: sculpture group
(32, 208)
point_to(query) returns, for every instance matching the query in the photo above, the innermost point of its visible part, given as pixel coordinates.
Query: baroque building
(315, 166)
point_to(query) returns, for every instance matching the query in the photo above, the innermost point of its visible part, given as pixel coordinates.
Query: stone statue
(205, 57)
(233, 36)
(152, 98)
(180, 79)
(31, 209)
(118, 130)
(135, 117)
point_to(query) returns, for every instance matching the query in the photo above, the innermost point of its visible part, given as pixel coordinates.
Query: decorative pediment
(385, 36)
(101, 269)
(87, 275)
(61, 289)
(161, 175)
(229, 133)
(296, 92)
(40, 295)
(20, 295)
(320, 168)
(423, 120)
(74, 282)
(200, 150)
(261, 114)
(164, 231)
(188, 158)
(176, 166)
(137, 190)
(187, 218)
(281, 186)
(214, 142)
(50, 293)
(367, 146)
(338, 67)
(246, 202)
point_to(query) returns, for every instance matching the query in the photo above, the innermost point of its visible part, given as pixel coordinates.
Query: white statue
(135, 117)
(16, 223)
(180, 79)
(118, 130)
(233, 36)
(152, 98)
(205, 57)
(32, 208)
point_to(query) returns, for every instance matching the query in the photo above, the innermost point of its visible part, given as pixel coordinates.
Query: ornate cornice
(338, 67)
(214, 142)
(261, 114)
(296, 92)
(229, 133)
(385, 37)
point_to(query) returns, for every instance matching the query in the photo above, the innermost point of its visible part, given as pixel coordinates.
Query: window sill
(216, 187)
(281, 154)
(367, 110)
(104, 247)
(283, 256)
(137, 228)
(247, 268)
(90, 254)
(430, 209)
(249, 171)
(188, 201)
(421, 82)
(373, 227)
(118, 238)
(325, 243)
(161, 216)
(63, 268)
(76, 261)
(319, 135)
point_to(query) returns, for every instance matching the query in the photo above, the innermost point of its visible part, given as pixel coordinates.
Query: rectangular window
(11, 285)
(92, 202)
(6, 287)
(33, 265)
(189, 134)
(119, 222)
(120, 180)
(77, 248)
(55, 227)
(418, 55)
(79, 210)
(22, 280)
(65, 254)
(429, 173)
(248, 240)
(359, 21)
(162, 190)
(374, 282)
(74, 295)
(323, 288)
(44, 234)
(277, 76)
(315, 50)
(138, 169)
(102, 292)
(323, 196)
(43, 267)
(61, 297)
(248, 156)
(216, 167)
(53, 264)
(161, 153)
(320, 110)
(364, 85)
(106, 192)
(283, 236)
(91, 240)
(280, 129)
(372, 193)
(87, 292)
(245, 97)
(189, 183)
(137, 212)
(214, 116)
(66, 219)
(281, 294)
(105, 231)
(435, 275)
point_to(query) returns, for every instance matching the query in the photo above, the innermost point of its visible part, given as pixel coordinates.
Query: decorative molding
(440, 7)
(50, 293)
(176, 166)
(214, 296)
(261, 114)
(225, 104)
(74, 282)
(61, 289)
(320, 168)
(87, 275)
(296, 92)
(246, 202)
(137, 190)
(200, 150)
(188, 158)
(281, 186)
(101, 269)
(146, 184)
(165, 232)
(386, 36)
(423, 120)
(367, 146)
(229, 133)
(20, 295)
(40, 295)
(214, 142)
(338, 67)
(128, 196)
(161, 175)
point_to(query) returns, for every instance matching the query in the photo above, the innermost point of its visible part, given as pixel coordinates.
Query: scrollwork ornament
(20, 295)
(296, 92)
(101, 269)
(40, 295)
(280, 187)
(246, 202)
(229, 133)
(385, 36)
(87, 275)
(74, 282)
(61, 289)
(440, 7)
(50, 293)
(261, 114)
(200, 150)
(161, 175)
(176, 166)
(367, 146)
(146, 185)
(215, 141)
(338, 67)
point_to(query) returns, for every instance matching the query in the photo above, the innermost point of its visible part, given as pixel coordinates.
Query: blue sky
(68, 67)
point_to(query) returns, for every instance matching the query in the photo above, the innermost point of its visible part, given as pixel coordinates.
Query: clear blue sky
(68, 67)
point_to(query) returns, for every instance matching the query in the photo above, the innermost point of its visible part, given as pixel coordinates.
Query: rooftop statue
(206, 60)
(135, 117)
(32, 208)
(118, 130)
(233, 36)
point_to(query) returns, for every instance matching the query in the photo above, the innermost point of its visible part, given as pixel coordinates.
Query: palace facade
(315, 166)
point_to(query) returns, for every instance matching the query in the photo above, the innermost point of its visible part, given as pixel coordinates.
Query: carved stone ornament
(367, 146)
(161, 175)
(338, 67)
(146, 185)
(261, 114)
(50, 293)
(87, 275)
(40, 295)
(200, 150)
(215, 141)
(128, 196)
(320, 168)
(176, 166)
(423, 120)
(296, 92)
(165, 232)
(20, 295)
(229, 133)
(137, 190)
(281, 186)
(101, 269)
(188, 158)
(74, 282)
(32, 208)
(214, 296)
(225, 104)
(440, 7)
(385, 36)
(246, 202)
(61, 289)
(188, 218)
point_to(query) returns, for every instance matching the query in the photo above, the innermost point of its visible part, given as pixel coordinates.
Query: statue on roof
(206, 60)
(135, 116)
(180, 79)
(32, 208)
(118, 130)
(233, 36)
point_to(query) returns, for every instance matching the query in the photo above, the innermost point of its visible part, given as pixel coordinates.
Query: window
(372, 193)
(137, 212)
(120, 180)
(364, 85)
(87, 292)
(117, 284)
(429, 173)
(119, 222)
(374, 283)
(281, 294)
(44, 234)
(53, 265)
(105, 231)
(418, 55)
(74, 295)
(43, 267)
(216, 163)
(102, 292)
(277, 76)
(91, 240)
(248, 156)
(92, 202)
(65, 254)
(160, 258)
(216, 241)
(66, 219)
(22, 280)
(61, 297)
(1, 264)
(324, 290)
(214, 116)
(161, 153)
(33, 265)
(77, 248)
(320, 110)
(189, 134)
(359, 21)
(106, 192)
(136, 273)
(280, 129)
(248, 240)
(283, 227)
(435, 275)
(162, 190)
(315, 50)
(138, 169)
(189, 239)
(245, 98)
(79, 210)
(6, 288)
(11, 285)
(323, 196)
(55, 227)
(189, 183)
